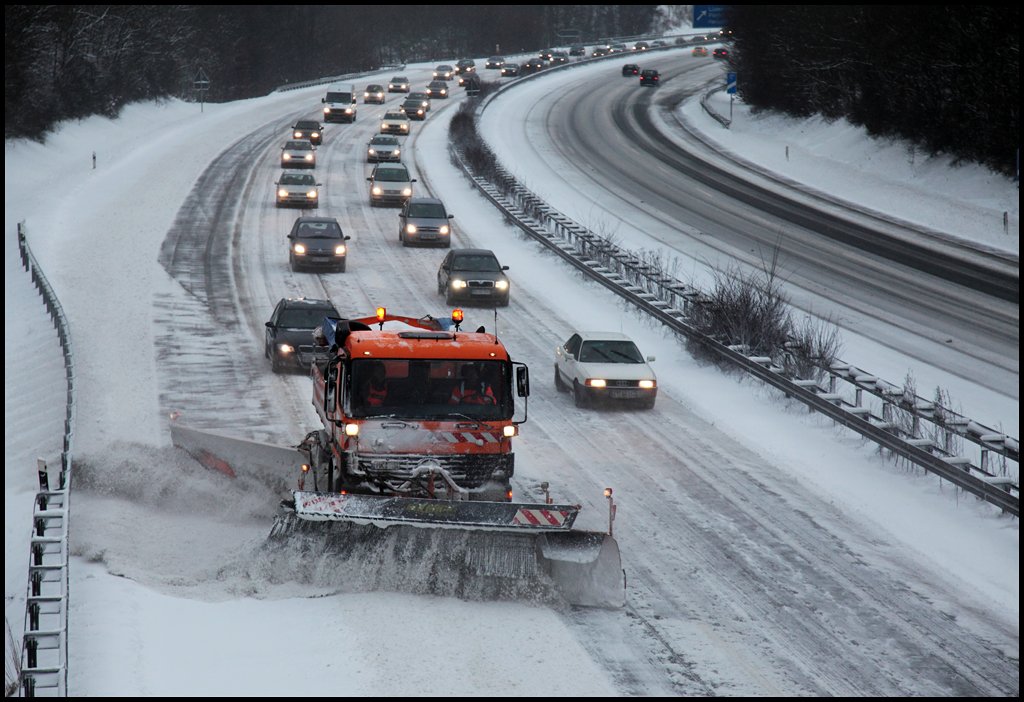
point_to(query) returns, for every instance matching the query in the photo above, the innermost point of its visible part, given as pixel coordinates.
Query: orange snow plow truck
(418, 419)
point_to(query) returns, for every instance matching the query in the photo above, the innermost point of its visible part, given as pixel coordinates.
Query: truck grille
(468, 471)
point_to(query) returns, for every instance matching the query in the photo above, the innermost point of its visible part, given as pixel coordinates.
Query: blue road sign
(730, 83)
(707, 16)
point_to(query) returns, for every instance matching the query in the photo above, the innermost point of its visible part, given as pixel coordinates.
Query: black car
(473, 276)
(577, 50)
(317, 242)
(720, 53)
(631, 69)
(650, 77)
(308, 129)
(533, 65)
(289, 339)
(510, 70)
(413, 108)
(495, 62)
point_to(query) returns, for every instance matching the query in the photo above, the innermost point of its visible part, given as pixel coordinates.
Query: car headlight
(501, 285)
(327, 110)
(299, 248)
(311, 194)
(383, 125)
(285, 349)
(298, 135)
(443, 230)
(595, 382)
(366, 95)
(397, 152)
(376, 190)
(308, 157)
(647, 384)
(282, 193)
(458, 283)
(371, 152)
(406, 192)
(405, 127)
(339, 250)
(410, 229)
(315, 135)
(286, 157)
(348, 110)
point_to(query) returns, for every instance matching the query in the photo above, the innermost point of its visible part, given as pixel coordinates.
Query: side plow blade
(234, 457)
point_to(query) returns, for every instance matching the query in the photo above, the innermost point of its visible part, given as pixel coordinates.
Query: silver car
(297, 188)
(390, 184)
(383, 147)
(424, 220)
(298, 154)
(394, 122)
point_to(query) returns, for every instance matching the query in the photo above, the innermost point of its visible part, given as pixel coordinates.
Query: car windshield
(430, 210)
(419, 96)
(297, 179)
(384, 141)
(607, 351)
(299, 146)
(399, 79)
(476, 262)
(391, 175)
(395, 115)
(307, 125)
(320, 230)
(430, 389)
(374, 88)
(304, 318)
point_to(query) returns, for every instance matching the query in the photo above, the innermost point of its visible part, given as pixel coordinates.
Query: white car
(297, 188)
(298, 154)
(605, 367)
(394, 122)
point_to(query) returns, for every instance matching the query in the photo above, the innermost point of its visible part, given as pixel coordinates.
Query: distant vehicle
(658, 43)
(641, 46)
(510, 70)
(394, 122)
(289, 336)
(374, 93)
(390, 184)
(340, 103)
(699, 51)
(546, 54)
(618, 48)
(424, 99)
(720, 53)
(604, 367)
(463, 66)
(297, 188)
(308, 129)
(601, 50)
(317, 242)
(533, 65)
(444, 72)
(413, 109)
(495, 62)
(650, 77)
(559, 57)
(631, 69)
(473, 275)
(577, 50)
(298, 154)
(437, 89)
(424, 220)
(398, 84)
(383, 147)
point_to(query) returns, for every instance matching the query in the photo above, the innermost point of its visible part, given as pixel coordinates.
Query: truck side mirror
(523, 381)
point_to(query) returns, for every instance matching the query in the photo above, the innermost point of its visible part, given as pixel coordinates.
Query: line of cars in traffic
(597, 367)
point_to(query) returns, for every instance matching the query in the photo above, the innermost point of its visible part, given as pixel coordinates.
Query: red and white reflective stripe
(540, 517)
(473, 437)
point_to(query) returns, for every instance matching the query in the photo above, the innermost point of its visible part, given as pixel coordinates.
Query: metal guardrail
(44, 653)
(909, 427)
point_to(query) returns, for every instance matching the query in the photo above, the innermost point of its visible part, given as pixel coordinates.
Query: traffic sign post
(730, 87)
(201, 84)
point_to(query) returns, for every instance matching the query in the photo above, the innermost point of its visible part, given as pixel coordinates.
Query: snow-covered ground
(97, 233)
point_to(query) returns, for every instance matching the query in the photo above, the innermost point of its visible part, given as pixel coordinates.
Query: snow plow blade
(495, 540)
(234, 457)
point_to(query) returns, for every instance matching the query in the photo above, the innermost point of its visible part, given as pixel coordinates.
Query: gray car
(297, 188)
(298, 154)
(390, 184)
(473, 276)
(394, 122)
(413, 109)
(289, 337)
(424, 220)
(317, 242)
(383, 147)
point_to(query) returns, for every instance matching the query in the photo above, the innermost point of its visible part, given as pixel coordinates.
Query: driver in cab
(471, 390)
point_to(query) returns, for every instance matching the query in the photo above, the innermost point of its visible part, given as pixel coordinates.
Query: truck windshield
(431, 389)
